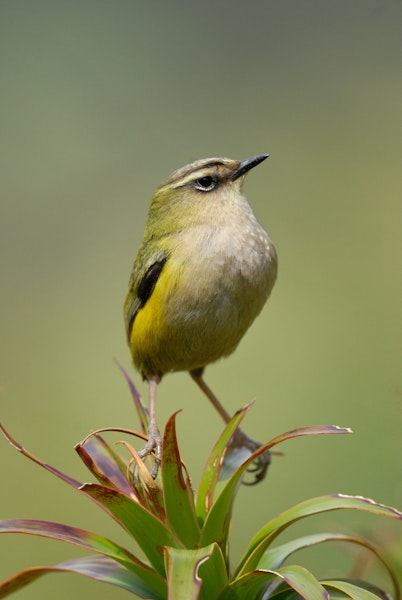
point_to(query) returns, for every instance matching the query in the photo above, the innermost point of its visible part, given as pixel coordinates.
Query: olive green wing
(145, 274)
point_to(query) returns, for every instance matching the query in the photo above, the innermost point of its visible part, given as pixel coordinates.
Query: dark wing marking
(149, 280)
(144, 291)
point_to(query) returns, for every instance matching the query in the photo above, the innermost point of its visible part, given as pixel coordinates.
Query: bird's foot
(153, 446)
(260, 466)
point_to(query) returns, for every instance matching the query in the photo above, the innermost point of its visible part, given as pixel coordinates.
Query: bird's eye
(205, 184)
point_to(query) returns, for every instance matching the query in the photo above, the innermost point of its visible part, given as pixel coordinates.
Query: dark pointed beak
(247, 164)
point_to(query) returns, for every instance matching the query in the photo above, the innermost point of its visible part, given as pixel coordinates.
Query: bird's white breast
(226, 269)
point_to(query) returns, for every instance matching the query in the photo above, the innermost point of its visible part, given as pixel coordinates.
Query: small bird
(203, 272)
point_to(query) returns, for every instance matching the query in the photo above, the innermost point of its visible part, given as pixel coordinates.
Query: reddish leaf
(142, 411)
(104, 463)
(70, 480)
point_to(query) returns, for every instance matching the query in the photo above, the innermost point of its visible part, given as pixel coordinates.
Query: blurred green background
(99, 102)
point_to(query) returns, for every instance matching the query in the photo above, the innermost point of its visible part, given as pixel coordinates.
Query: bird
(202, 274)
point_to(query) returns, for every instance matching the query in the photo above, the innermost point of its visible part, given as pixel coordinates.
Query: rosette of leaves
(184, 535)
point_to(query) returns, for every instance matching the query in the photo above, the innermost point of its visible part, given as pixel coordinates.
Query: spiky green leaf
(213, 573)
(351, 590)
(217, 520)
(178, 494)
(274, 558)
(210, 475)
(100, 568)
(252, 585)
(149, 531)
(195, 574)
(264, 537)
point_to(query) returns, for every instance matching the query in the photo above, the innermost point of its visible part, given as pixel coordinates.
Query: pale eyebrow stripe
(196, 173)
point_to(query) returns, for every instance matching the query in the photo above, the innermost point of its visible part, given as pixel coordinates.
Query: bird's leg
(240, 439)
(154, 437)
(197, 375)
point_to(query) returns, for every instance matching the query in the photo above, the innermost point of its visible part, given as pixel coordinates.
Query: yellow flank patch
(149, 326)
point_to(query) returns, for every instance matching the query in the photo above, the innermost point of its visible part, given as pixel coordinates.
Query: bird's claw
(153, 446)
(260, 466)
